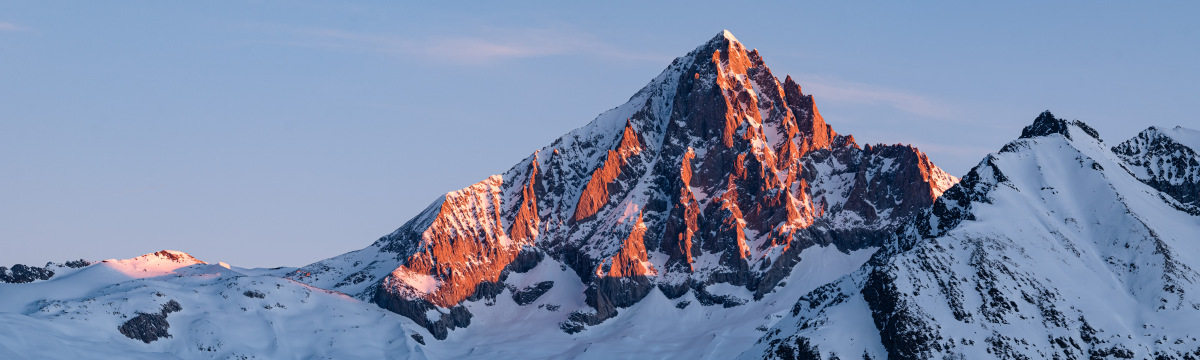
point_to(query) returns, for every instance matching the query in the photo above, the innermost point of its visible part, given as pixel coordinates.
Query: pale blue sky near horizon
(278, 133)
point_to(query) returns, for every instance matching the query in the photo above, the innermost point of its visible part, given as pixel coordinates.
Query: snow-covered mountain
(1166, 160)
(170, 305)
(710, 181)
(1056, 247)
(713, 215)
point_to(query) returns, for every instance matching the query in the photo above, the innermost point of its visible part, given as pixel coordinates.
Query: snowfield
(227, 313)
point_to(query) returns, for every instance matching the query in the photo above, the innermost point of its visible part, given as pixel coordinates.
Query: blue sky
(268, 133)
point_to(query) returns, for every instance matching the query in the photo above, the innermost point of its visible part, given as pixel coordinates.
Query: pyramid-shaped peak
(724, 39)
(1046, 124)
(727, 36)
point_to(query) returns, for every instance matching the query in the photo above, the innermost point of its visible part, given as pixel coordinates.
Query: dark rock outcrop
(149, 327)
(21, 273)
(75, 264)
(1160, 161)
(419, 310)
(530, 294)
(1047, 124)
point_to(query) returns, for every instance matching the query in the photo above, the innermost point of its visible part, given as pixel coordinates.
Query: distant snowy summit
(713, 215)
(165, 262)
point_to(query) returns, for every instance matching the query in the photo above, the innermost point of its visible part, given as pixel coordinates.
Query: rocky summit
(716, 174)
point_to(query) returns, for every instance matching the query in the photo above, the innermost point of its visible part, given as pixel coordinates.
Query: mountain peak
(713, 156)
(724, 42)
(722, 39)
(1046, 124)
(727, 36)
(153, 264)
(1168, 160)
(1090, 230)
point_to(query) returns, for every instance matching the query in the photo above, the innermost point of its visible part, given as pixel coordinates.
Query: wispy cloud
(7, 26)
(491, 46)
(857, 93)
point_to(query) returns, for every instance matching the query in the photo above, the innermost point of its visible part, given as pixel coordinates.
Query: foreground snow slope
(655, 328)
(222, 313)
(226, 313)
(1051, 248)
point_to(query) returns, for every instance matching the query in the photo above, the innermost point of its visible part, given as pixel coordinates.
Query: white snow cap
(729, 36)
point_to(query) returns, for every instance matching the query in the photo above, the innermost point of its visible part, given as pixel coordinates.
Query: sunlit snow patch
(154, 264)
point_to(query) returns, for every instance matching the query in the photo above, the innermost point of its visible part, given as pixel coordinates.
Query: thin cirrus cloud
(7, 26)
(497, 45)
(858, 93)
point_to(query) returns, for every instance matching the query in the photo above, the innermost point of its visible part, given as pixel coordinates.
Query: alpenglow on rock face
(715, 175)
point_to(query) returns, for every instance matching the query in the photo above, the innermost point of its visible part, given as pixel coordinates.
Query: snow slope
(1048, 249)
(654, 328)
(224, 314)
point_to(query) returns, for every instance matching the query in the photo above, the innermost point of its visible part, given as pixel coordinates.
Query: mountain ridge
(962, 282)
(714, 156)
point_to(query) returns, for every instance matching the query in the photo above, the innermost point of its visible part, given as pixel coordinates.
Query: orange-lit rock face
(525, 225)
(815, 134)
(683, 222)
(732, 64)
(465, 245)
(767, 127)
(733, 227)
(939, 181)
(632, 259)
(595, 193)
